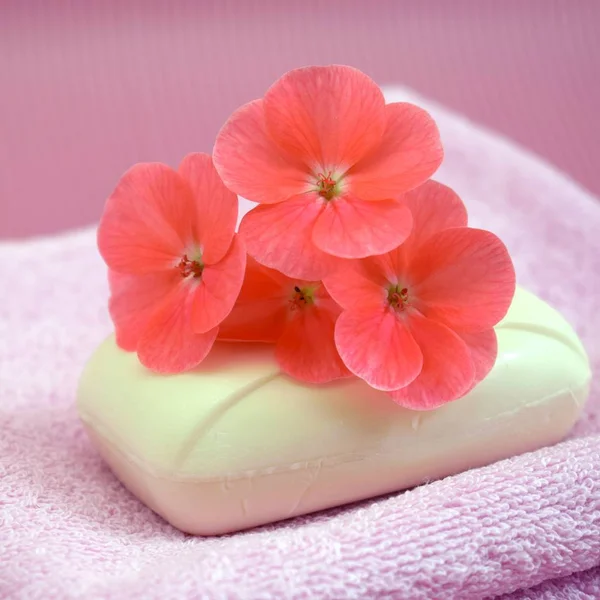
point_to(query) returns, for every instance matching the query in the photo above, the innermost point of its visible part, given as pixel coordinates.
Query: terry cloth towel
(68, 529)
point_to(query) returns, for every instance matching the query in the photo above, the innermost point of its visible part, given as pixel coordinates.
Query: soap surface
(235, 443)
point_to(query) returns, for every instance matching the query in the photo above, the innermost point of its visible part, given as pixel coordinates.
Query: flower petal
(306, 350)
(328, 117)
(483, 347)
(168, 344)
(258, 321)
(279, 236)
(219, 288)
(464, 278)
(260, 311)
(376, 345)
(448, 370)
(361, 283)
(216, 206)
(133, 301)
(250, 163)
(147, 220)
(434, 207)
(351, 228)
(409, 154)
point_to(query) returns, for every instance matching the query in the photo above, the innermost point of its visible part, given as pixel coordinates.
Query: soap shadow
(222, 354)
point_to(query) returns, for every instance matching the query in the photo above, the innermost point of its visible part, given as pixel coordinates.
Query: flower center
(327, 186)
(398, 297)
(301, 297)
(189, 267)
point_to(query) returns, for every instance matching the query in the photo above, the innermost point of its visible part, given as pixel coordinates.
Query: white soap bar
(235, 443)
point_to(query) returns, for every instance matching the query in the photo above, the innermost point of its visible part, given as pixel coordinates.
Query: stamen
(301, 298)
(398, 299)
(189, 267)
(326, 185)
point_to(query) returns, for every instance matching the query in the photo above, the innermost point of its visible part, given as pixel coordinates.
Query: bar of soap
(235, 444)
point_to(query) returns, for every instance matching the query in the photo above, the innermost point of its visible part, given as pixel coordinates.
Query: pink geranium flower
(418, 320)
(298, 316)
(327, 159)
(176, 266)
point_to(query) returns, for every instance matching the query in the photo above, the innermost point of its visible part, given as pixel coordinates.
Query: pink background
(89, 88)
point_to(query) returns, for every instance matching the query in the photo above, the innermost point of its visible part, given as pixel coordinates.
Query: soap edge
(578, 394)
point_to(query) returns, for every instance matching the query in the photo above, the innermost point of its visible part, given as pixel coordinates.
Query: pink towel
(68, 529)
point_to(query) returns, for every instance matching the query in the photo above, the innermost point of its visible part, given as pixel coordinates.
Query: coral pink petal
(306, 350)
(250, 164)
(168, 344)
(260, 311)
(133, 301)
(216, 206)
(447, 372)
(464, 278)
(219, 288)
(280, 237)
(361, 283)
(434, 207)
(328, 117)
(376, 345)
(261, 281)
(257, 321)
(409, 154)
(351, 228)
(483, 347)
(147, 220)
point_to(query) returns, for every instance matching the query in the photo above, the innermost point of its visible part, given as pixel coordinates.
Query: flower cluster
(353, 262)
